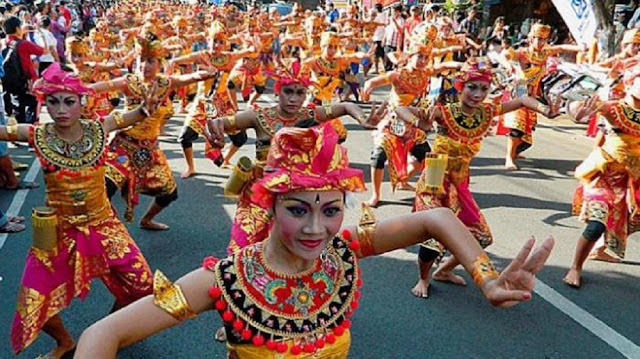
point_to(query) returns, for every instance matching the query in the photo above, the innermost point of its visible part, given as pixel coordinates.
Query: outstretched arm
(142, 319)
(533, 104)
(15, 133)
(217, 127)
(329, 112)
(512, 286)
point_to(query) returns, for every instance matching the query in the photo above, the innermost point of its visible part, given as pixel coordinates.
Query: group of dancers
(292, 278)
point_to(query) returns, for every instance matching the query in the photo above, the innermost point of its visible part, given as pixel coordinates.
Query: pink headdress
(306, 159)
(290, 75)
(54, 79)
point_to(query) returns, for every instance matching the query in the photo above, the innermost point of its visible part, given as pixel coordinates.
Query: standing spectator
(378, 35)
(17, 81)
(332, 13)
(65, 13)
(471, 25)
(393, 35)
(411, 23)
(45, 39)
(59, 32)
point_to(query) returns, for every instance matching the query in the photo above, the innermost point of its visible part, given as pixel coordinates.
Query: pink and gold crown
(306, 159)
(475, 69)
(540, 30)
(54, 79)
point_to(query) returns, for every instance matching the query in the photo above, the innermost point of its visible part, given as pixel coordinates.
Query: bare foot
(510, 166)
(449, 277)
(373, 201)
(405, 186)
(601, 254)
(573, 278)
(188, 173)
(59, 351)
(153, 225)
(226, 165)
(421, 289)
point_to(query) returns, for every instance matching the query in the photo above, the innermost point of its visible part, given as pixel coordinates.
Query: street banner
(579, 17)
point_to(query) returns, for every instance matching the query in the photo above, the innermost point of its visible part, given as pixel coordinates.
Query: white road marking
(20, 197)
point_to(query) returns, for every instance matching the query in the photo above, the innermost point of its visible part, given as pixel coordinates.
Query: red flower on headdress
(290, 76)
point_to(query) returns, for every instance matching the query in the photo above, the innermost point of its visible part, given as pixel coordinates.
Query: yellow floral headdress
(77, 46)
(148, 45)
(218, 31)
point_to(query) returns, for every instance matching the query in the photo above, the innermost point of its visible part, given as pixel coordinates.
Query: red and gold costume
(459, 137)
(90, 240)
(268, 314)
(135, 163)
(609, 179)
(533, 64)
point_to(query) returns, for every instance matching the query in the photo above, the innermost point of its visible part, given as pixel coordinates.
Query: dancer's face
(419, 61)
(474, 93)
(306, 221)
(291, 98)
(538, 42)
(631, 49)
(150, 67)
(329, 51)
(64, 108)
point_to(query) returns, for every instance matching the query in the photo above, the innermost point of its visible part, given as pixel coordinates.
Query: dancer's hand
(581, 111)
(375, 116)
(515, 283)
(554, 106)
(214, 132)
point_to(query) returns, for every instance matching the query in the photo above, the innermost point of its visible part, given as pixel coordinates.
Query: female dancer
(294, 292)
(88, 239)
(251, 221)
(461, 128)
(136, 164)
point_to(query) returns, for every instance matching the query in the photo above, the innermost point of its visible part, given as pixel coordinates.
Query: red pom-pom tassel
(246, 334)
(215, 292)
(258, 340)
(331, 338)
(357, 294)
(238, 325)
(282, 348)
(209, 262)
(309, 348)
(228, 316)
(319, 343)
(221, 305)
(338, 331)
(346, 234)
(359, 282)
(272, 345)
(354, 304)
(354, 245)
(346, 324)
(296, 349)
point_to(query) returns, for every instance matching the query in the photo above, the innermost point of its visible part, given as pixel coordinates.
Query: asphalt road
(455, 322)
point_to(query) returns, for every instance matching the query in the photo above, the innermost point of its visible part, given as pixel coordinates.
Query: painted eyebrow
(307, 203)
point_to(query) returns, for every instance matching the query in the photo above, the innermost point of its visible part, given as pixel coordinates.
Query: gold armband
(483, 268)
(543, 109)
(117, 116)
(170, 298)
(233, 127)
(366, 228)
(328, 112)
(12, 132)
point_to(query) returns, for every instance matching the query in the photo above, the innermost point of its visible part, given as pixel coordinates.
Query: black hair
(379, 7)
(46, 21)
(12, 24)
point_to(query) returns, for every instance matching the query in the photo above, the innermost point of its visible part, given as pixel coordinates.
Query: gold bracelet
(169, 297)
(117, 116)
(366, 228)
(483, 268)
(328, 112)
(543, 109)
(232, 123)
(12, 132)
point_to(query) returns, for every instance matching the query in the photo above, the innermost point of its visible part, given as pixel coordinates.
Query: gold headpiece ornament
(329, 38)
(631, 37)
(149, 46)
(180, 21)
(218, 31)
(540, 30)
(422, 38)
(77, 46)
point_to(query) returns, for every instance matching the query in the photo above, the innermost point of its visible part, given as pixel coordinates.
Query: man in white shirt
(393, 35)
(378, 35)
(45, 39)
